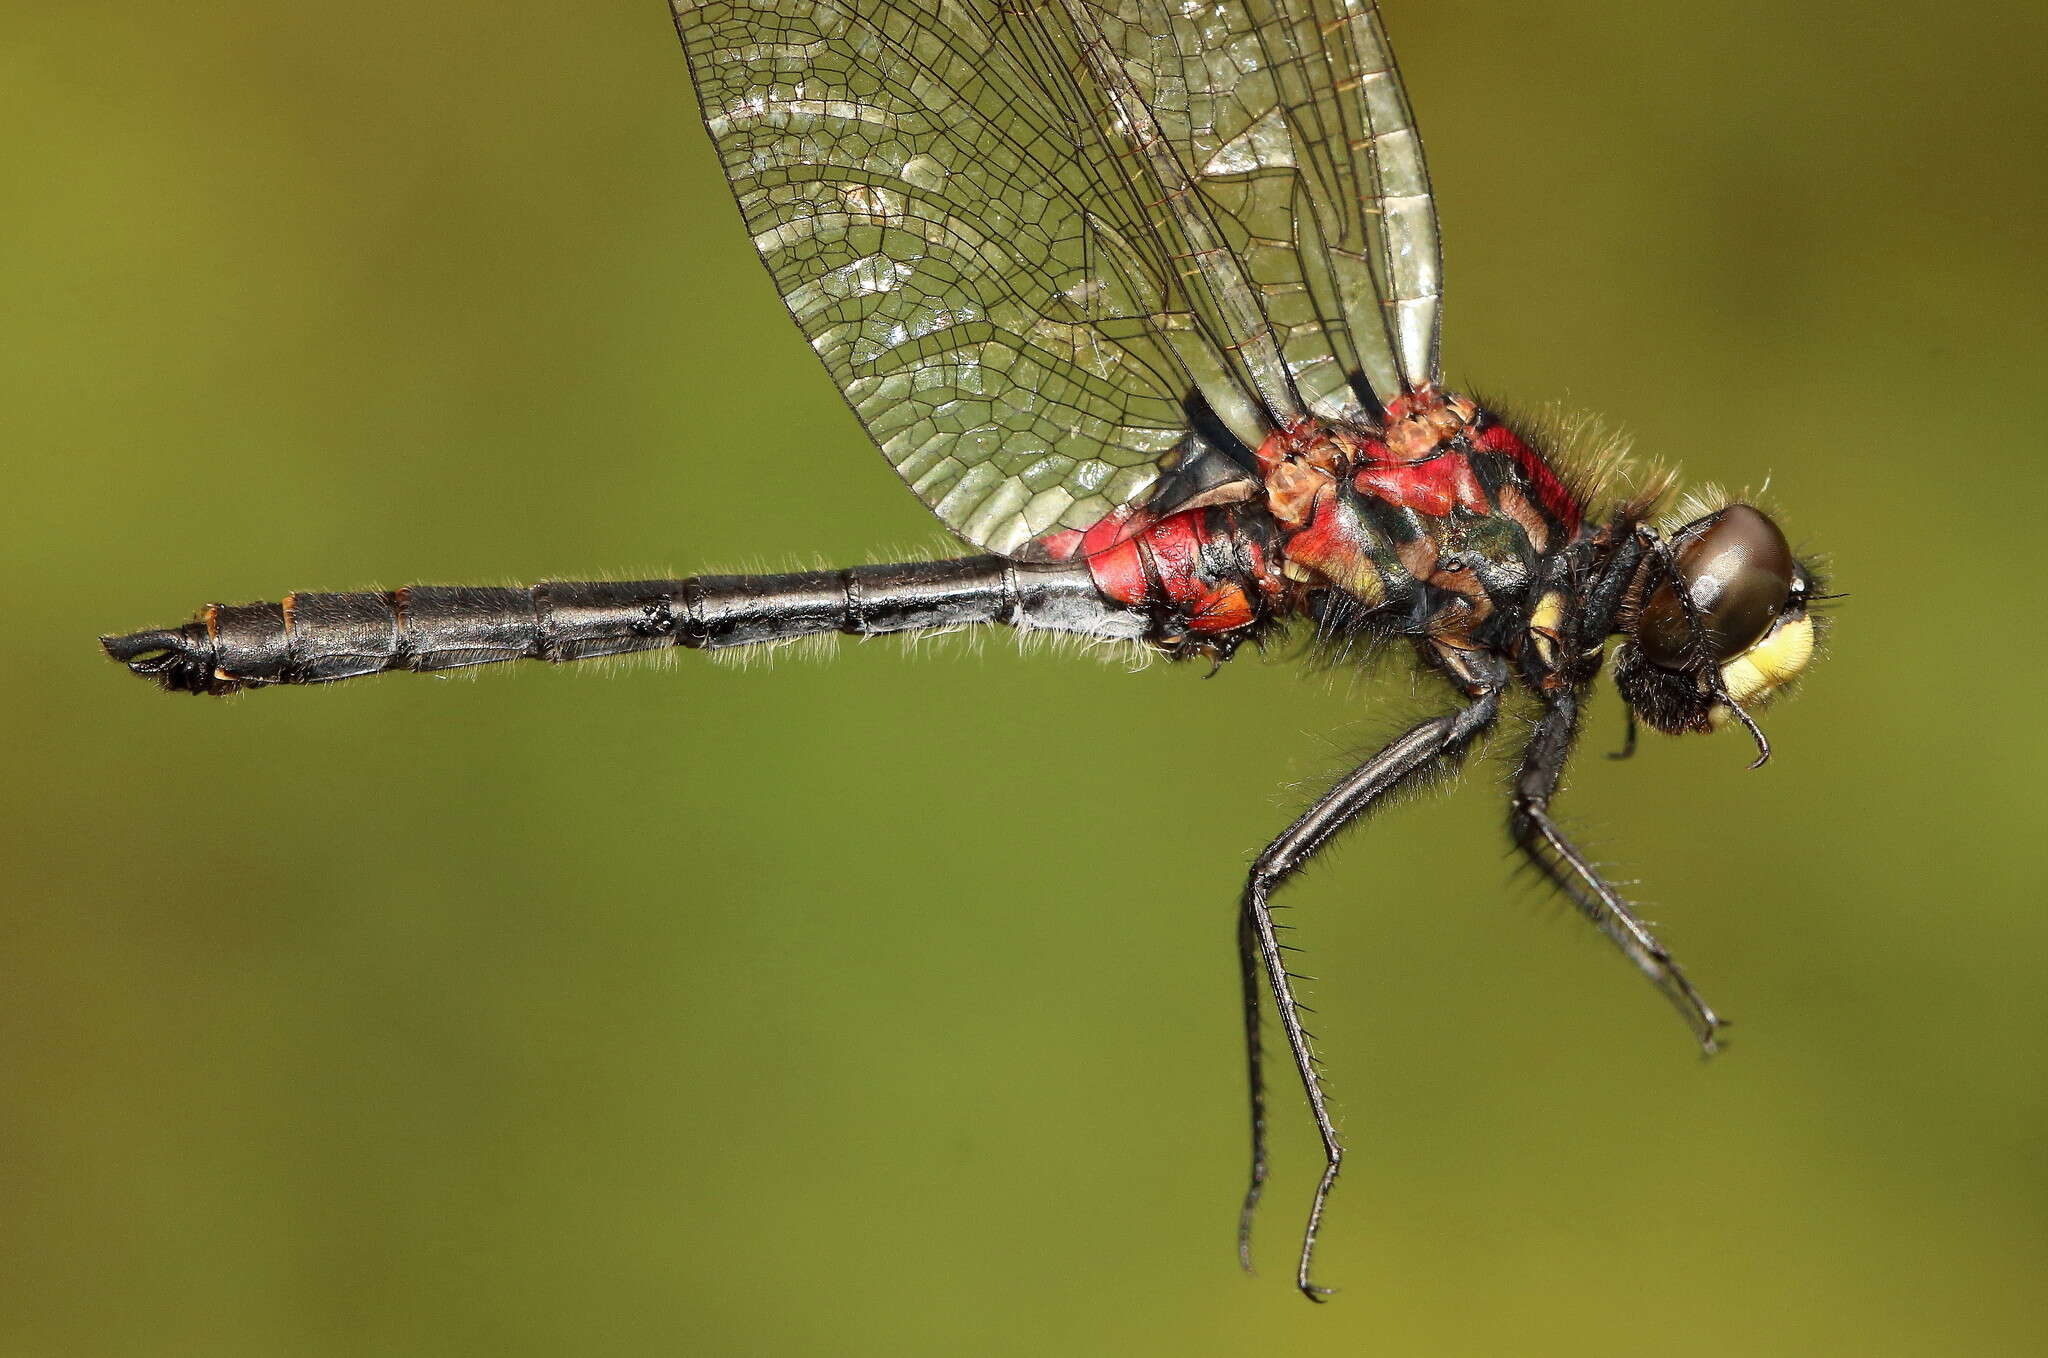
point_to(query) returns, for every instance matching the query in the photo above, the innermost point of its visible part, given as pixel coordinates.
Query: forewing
(1293, 120)
(1025, 240)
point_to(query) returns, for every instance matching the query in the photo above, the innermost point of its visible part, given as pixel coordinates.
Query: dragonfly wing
(1292, 116)
(1027, 239)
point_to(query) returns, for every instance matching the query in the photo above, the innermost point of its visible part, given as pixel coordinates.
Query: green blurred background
(886, 1005)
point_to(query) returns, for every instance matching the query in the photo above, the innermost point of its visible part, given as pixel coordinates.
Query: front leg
(1536, 835)
(1434, 744)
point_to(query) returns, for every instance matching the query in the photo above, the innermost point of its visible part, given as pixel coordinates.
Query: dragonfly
(1143, 300)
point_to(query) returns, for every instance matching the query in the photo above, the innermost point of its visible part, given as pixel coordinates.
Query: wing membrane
(1295, 122)
(1023, 237)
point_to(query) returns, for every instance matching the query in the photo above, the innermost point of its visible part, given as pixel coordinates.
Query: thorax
(1439, 525)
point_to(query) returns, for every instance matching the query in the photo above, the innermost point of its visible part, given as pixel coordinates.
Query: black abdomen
(319, 638)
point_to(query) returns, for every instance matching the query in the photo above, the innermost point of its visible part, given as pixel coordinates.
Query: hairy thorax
(1434, 525)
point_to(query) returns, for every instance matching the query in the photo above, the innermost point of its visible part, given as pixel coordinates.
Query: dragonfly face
(1726, 629)
(1142, 300)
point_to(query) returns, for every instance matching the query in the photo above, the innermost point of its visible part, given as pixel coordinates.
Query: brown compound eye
(1738, 570)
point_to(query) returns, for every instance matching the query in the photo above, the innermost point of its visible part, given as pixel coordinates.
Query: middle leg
(1537, 836)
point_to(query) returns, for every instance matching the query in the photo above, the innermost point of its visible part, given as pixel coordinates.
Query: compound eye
(1738, 570)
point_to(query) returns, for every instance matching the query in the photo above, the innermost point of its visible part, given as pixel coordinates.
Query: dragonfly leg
(1252, 975)
(1429, 746)
(1537, 836)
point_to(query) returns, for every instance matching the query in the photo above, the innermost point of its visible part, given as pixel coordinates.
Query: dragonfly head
(1717, 626)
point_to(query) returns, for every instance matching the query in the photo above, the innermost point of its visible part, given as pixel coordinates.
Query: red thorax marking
(1415, 463)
